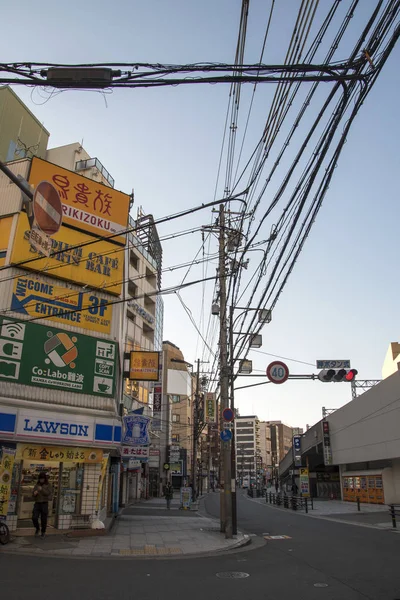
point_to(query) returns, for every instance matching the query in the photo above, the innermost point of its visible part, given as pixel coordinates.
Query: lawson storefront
(78, 451)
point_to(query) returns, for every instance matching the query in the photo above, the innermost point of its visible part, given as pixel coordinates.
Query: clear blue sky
(342, 298)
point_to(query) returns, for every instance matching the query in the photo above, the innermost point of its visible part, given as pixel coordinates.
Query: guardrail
(394, 510)
(293, 502)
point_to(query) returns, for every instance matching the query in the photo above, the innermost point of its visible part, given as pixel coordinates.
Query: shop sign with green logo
(38, 355)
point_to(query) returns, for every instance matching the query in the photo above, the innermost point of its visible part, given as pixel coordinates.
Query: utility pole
(195, 432)
(233, 447)
(226, 518)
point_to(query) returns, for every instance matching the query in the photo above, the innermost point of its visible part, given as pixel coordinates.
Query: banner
(210, 407)
(6, 469)
(87, 204)
(136, 430)
(157, 405)
(139, 452)
(143, 365)
(304, 483)
(76, 257)
(102, 477)
(37, 298)
(44, 453)
(43, 356)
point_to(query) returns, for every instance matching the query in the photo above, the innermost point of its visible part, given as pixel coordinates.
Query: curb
(246, 541)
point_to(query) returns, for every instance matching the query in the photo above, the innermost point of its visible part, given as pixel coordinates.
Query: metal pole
(14, 178)
(233, 447)
(224, 372)
(195, 420)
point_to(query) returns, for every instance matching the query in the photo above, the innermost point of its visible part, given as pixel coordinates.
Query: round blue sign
(228, 414)
(226, 435)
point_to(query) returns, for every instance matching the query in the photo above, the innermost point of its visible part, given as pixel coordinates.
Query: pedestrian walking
(43, 494)
(295, 489)
(169, 494)
(276, 486)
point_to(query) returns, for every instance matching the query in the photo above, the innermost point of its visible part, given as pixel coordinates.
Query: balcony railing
(94, 163)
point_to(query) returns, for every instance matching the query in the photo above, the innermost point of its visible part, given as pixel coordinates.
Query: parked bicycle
(4, 531)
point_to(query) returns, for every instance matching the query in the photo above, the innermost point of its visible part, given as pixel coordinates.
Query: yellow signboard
(5, 229)
(210, 407)
(6, 469)
(39, 299)
(87, 204)
(94, 262)
(144, 365)
(44, 453)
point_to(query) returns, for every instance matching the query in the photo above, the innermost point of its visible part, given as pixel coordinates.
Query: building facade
(60, 364)
(265, 450)
(248, 449)
(21, 133)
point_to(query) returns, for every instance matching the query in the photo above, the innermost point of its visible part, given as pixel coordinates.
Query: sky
(341, 300)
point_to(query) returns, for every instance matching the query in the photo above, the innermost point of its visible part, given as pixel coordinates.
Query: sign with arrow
(38, 298)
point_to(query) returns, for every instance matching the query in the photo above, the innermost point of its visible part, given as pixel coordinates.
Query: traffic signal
(328, 375)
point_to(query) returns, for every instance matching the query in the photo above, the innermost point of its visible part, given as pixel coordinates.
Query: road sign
(226, 435)
(39, 240)
(47, 208)
(166, 466)
(277, 372)
(333, 364)
(228, 414)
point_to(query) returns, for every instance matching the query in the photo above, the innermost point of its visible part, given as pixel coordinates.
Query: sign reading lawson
(25, 425)
(43, 356)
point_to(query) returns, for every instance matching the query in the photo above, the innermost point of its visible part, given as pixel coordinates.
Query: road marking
(277, 537)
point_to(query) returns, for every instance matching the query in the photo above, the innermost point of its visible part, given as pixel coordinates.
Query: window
(176, 418)
(188, 420)
(174, 398)
(134, 260)
(175, 437)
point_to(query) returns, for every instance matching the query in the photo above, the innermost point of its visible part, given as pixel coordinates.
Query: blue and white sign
(333, 364)
(297, 443)
(24, 425)
(136, 430)
(226, 435)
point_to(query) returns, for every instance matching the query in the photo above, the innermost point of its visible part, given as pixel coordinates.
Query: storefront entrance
(66, 480)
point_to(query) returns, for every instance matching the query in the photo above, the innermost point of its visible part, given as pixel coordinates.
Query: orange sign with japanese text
(144, 365)
(87, 204)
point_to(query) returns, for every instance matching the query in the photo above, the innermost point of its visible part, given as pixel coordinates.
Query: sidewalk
(146, 530)
(370, 515)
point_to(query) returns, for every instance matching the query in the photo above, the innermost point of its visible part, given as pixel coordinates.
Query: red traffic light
(351, 375)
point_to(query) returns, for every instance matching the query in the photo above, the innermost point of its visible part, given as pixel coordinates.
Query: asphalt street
(319, 559)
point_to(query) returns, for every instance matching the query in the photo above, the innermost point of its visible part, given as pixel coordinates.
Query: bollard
(358, 504)
(306, 505)
(312, 503)
(286, 502)
(393, 515)
(294, 504)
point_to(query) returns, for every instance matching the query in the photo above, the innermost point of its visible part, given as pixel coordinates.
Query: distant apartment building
(248, 447)
(265, 447)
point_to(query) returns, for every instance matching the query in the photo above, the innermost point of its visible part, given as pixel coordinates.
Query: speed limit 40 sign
(277, 372)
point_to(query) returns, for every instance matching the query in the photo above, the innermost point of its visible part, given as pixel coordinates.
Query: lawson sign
(21, 424)
(50, 425)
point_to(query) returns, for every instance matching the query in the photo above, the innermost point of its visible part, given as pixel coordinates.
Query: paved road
(355, 562)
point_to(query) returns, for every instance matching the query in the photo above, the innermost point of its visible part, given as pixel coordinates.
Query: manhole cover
(320, 585)
(233, 575)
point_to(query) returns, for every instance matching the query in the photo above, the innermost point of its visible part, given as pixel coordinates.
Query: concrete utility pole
(226, 518)
(195, 432)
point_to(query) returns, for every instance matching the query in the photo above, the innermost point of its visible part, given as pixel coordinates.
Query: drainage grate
(320, 585)
(232, 575)
(213, 529)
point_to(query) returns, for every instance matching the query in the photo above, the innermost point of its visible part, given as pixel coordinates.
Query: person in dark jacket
(168, 493)
(42, 494)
